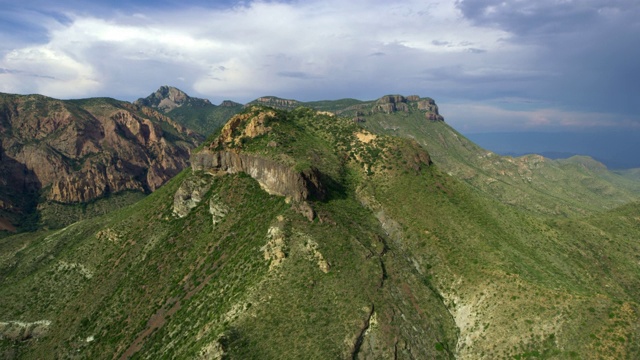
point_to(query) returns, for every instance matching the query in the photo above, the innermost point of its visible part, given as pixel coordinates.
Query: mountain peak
(167, 98)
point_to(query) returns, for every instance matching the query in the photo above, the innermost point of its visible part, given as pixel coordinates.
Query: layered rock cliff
(394, 103)
(81, 150)
(274, 178)
(276, 102)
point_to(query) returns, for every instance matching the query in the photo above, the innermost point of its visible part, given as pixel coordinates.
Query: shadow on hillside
(334, 189)
(19, 192)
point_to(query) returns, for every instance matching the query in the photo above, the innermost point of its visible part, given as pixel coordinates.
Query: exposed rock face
(275, 178)
(23, 331)
(217, 209)
(392, 103)
(244, 126)
(189, 195)
(276, 102)
(225, 155)
(275, 250)
(167, 98)
(80, 150)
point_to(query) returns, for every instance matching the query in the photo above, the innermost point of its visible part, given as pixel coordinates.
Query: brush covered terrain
(394, 238)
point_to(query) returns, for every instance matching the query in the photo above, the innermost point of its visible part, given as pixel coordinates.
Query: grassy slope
(193, 284)
(435, 266)
(549, 187)
(203, 120)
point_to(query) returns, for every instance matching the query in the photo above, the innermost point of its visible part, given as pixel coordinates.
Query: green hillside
(361, 248)
(576, 186)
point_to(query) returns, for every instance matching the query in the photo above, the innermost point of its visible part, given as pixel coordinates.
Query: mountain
(55, 153)
(615, 148)
(301, 234)
(199, 115)
(630, 173)
(546, 186)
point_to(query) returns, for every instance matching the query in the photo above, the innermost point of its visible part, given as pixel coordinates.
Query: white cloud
(258, 46)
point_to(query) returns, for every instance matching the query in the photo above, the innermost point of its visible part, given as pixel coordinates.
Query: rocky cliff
(394, 103)
(360, 110)
(274, 178)
(81, 150)
(276, 102)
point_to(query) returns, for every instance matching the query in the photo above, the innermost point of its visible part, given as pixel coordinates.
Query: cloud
(487, 117)
(263, 47)
(591, 46)
(572, 57)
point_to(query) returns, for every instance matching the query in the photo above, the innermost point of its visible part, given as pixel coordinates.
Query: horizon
(550, 143)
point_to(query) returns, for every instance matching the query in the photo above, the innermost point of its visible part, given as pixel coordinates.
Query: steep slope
(78, 151)
(211, 264)
(531, 182)
(303, 235)
(199, 115)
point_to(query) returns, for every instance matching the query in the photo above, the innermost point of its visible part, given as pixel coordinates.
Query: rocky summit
(199, 115)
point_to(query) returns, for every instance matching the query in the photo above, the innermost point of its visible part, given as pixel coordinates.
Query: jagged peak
(167, 98)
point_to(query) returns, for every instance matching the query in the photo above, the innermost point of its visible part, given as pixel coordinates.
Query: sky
(518, 65)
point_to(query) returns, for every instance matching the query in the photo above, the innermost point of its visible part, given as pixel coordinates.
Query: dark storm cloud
(593, 47)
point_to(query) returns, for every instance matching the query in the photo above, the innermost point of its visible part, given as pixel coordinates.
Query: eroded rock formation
(80, 150)
(275, 178)
(393, 103)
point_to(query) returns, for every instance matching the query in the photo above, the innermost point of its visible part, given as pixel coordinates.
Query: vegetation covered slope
(395, 259)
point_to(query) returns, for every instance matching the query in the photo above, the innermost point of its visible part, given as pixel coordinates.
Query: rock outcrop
(225, 155)
(394, 103)
(273, 177)
(189, 195)
(276, 102)
(167, 98)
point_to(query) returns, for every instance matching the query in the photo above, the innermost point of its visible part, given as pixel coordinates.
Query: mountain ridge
(379, 233)
(400, 260)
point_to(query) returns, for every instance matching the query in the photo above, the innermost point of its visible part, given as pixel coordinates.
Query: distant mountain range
(617, 150)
